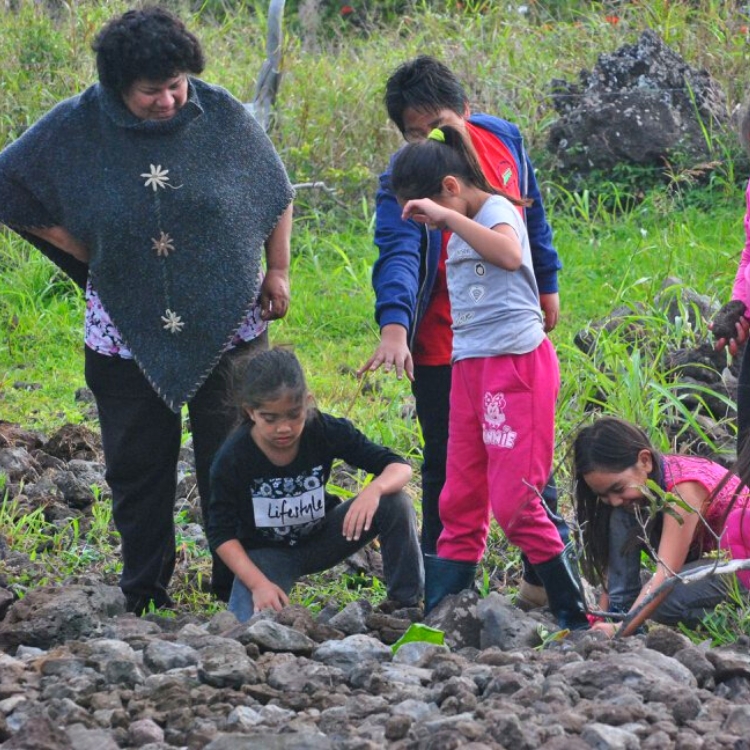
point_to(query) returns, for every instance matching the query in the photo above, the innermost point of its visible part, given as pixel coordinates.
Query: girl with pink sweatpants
(505, 376)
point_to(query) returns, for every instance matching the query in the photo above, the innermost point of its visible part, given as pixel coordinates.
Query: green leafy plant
(418, 632)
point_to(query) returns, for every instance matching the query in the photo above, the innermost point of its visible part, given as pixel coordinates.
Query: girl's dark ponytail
(419, 168)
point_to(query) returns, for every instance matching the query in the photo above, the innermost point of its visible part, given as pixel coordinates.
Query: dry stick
(697, 574)
(674, 576)
(714, 569)
(320, 186)
(356, 393)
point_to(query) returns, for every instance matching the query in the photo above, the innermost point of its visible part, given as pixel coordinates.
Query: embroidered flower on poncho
(158, 178)
(172, 322)
(163, 245)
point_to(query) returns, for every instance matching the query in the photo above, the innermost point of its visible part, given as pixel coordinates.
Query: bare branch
(320, 186)
(697, 574)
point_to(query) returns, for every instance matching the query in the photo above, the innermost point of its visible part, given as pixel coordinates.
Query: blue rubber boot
(564, 591)
(443, 577)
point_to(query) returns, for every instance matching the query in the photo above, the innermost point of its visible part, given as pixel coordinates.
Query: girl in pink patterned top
(613, 461)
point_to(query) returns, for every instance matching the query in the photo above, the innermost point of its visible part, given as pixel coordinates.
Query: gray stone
(643, 670)
(738, 721)
(144, 732)
(729, 662)
(243, 718)
(224, 663)
(51, 615)
(697, 662)
(17, 464)
(38, 733)
(416, 651)
(352, 619)
(504, 625)
(352, 651)
(456, 616)
(416, 710)
(306, 741)
(303, 675)
(271, 636)
(221, 622)
(85, 738)
(161, 656)
(75, 489)
(6, 599)
(666, 641)
(640, 105)
(603, 737)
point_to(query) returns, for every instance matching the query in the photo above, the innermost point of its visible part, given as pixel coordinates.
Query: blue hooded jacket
(404, 273)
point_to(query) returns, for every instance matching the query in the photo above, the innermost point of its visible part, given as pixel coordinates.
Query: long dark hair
(613, 445)
(419, 168)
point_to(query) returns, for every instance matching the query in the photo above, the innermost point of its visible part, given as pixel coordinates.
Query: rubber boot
(443, 577)
(564, 591)
(531, 593)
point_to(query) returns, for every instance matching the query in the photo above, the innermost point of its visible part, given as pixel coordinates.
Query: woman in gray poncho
(157, 192)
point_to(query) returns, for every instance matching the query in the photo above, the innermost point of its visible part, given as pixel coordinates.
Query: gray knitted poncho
(175, 214)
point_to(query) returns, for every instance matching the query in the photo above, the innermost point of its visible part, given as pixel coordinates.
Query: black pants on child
(394, 523)
(141, 438)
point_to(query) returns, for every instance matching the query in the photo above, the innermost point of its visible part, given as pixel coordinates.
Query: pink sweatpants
(501, 435)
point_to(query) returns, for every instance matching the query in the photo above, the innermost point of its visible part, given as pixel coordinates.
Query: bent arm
(361, 513)
(498, 245)
(674, 545)
(274, 291)
(62, 239)
(392, 479)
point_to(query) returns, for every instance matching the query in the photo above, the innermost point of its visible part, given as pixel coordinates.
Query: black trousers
(431, 389)
(141, 438)
(743, 399)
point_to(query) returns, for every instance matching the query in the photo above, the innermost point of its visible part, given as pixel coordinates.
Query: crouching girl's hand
(267, 595)
(608, 628)
(361, 512)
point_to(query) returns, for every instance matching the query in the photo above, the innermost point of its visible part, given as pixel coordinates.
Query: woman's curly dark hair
(149, 43)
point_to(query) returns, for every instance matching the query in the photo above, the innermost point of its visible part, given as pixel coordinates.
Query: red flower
(614, 20)
(346, 10)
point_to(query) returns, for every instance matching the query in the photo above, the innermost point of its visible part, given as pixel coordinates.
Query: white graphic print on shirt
(494, 430)
(289, 509)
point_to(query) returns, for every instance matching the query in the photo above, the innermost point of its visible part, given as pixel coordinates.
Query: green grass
(618, 246)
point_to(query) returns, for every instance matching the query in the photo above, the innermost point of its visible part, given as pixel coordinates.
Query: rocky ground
(76, 671)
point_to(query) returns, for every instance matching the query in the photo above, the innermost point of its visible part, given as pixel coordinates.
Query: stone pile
(640, 106)
(77, 672)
